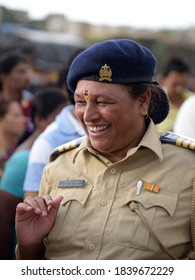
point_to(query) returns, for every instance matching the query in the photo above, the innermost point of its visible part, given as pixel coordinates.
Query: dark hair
(9, 60)
(159, 103)
(62, 76)
(63, 73)
(45, 101)
(176, 65)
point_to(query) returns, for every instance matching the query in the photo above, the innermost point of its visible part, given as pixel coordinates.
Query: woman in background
(12, 125)
(47, 103)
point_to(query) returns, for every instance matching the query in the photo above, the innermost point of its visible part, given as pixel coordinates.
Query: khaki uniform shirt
(94, 220)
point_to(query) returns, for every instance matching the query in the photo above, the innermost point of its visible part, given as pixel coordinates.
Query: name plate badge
(71, 184)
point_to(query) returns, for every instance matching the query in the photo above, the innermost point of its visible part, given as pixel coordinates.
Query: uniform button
(103, 202)
(113, 170)
(91, 247)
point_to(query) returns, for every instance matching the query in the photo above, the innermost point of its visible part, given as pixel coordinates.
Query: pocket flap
(78, 194)
(165, 200)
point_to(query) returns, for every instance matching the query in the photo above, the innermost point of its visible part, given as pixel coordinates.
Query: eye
(104, 103)
(80, 102)
(101, 103)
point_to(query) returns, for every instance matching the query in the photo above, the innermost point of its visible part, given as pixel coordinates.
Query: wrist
(35, 252)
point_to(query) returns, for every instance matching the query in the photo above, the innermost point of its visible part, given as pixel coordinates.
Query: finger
(42, 204)
(32, 201)
(57, 201)
(48, 199)
(22, 207)
(54, 208)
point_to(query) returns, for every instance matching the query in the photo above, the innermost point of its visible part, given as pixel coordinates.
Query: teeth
(98, 128)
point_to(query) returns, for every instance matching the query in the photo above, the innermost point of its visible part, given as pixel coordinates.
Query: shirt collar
(150, 140)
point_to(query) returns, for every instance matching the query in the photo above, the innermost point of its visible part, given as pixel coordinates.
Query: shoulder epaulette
(178, 140)
(188, 143)
(65, 147)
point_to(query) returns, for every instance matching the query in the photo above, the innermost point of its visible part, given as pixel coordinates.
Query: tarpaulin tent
(51, 51)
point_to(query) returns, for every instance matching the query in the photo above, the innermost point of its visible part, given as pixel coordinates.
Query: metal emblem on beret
(105, 73)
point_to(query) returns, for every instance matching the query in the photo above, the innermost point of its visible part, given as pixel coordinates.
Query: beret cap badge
(105, 73)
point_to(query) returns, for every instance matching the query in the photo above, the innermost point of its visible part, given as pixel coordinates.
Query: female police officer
(120, 193)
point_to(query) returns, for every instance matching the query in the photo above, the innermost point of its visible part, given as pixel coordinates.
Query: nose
(91, 112)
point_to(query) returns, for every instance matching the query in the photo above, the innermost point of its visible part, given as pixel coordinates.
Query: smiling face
(111, 117)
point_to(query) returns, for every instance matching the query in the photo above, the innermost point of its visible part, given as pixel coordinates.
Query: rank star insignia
(105, 73)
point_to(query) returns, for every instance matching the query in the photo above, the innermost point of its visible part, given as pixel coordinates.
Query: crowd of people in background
(26, 110)
(175, 78)
(34, 122)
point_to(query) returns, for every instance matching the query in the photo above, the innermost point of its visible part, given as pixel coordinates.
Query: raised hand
(35, 218)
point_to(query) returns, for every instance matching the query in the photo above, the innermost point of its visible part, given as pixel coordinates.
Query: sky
(153, 14)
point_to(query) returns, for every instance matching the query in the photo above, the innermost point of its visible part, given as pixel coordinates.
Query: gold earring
(146, 116)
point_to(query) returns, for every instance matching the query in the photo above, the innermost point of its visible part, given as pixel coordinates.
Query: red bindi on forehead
(86, 95)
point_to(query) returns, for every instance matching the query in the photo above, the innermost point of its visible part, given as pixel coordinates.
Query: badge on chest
(71, 184)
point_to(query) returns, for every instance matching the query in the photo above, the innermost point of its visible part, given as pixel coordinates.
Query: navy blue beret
(120, 61)
(125, 61)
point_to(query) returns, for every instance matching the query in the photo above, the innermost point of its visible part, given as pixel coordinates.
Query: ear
(144, 101)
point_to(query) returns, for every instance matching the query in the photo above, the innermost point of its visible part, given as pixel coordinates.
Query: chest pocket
(158, 209)
(69, 215)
